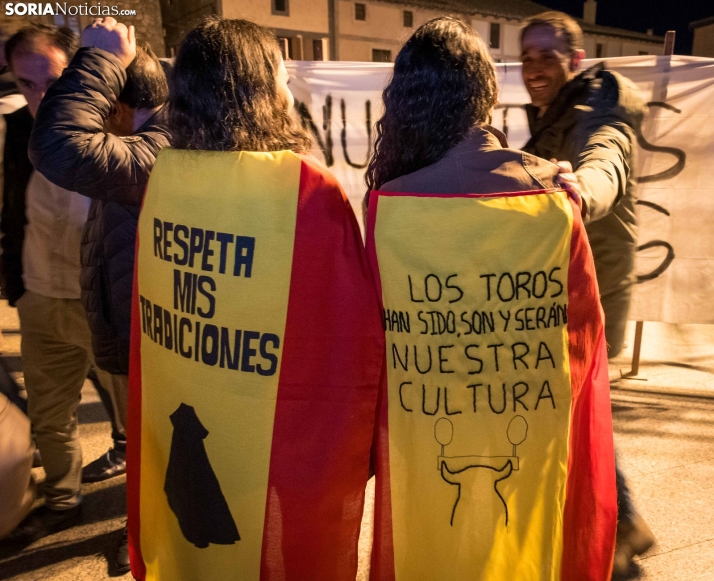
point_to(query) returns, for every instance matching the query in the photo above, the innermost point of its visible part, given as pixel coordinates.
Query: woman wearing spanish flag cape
(257, 347)
(493, 451)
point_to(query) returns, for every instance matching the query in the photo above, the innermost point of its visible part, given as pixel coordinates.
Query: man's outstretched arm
(603, 168)
(69, 145)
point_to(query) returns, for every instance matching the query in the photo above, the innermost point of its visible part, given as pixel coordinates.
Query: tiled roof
(620, 32)
(517, 9)
(702, 22)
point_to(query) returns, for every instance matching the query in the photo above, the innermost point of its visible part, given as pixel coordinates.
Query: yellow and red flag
(494, 450)
(256, 356)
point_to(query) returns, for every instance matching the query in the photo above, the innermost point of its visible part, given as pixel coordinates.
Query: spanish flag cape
(255, 361)
(494, 450)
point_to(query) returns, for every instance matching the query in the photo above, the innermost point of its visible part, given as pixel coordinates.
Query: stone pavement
(80, 553)
(664, 432)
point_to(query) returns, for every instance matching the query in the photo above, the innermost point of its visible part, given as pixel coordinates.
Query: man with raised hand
(590, 120)
(41, 229)
(97, 133)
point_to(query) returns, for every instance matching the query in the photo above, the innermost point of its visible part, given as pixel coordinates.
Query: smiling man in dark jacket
(590, 119)
(98, 132)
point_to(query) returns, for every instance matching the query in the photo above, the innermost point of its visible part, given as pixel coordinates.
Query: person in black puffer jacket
(71, 147)
(98, 132)
(17, 169)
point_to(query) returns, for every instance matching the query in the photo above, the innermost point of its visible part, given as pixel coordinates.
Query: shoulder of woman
(317, 177)
(317, 167)
(541, 170)
(394, 185)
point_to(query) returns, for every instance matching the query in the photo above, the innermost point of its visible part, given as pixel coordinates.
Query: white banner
(675, 260)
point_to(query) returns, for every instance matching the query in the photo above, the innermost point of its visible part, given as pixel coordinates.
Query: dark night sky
(639, 15)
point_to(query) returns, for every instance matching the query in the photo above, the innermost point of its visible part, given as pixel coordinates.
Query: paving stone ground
(664, 433)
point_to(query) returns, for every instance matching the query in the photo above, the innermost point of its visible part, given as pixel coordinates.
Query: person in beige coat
(17, 487)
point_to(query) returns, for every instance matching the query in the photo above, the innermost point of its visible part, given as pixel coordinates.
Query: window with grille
(381, 56)
(286, 47)
(360, 11)
(408, 18)
(281, 7)
(318, 54)
(495, 35)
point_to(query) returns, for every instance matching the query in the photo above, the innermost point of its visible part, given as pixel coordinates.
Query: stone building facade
(348, 30)
(146, 18)
(703, 37)
(378, 30)
(180, 16)
(374, 30)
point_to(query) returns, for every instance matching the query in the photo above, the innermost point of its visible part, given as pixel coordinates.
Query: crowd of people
(78, 157)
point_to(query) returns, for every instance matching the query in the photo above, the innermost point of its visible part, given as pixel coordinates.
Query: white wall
(305, 15)
(511, 42)
(361, 50)
(482, 27)
(612, 49)
(704, 41)
(589, 44)
(383, 20)
(384, 28)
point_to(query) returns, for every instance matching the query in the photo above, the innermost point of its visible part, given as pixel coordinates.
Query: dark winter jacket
(593, 124)
(17, 171)
(70, 148)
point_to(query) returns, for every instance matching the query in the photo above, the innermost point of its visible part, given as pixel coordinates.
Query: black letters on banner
(195, 295)
(430, 357)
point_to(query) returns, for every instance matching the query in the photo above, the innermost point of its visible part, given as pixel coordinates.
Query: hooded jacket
(70, 148)
(593, 124)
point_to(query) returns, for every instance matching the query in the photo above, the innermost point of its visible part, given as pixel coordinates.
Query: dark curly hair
(146, 85)
(444, 83)
(223, 92)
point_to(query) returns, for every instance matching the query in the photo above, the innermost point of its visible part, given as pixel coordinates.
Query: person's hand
(567, 180)
(112, 36)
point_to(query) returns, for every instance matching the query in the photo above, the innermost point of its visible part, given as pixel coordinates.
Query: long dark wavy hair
(223, 91)
(444, 83)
